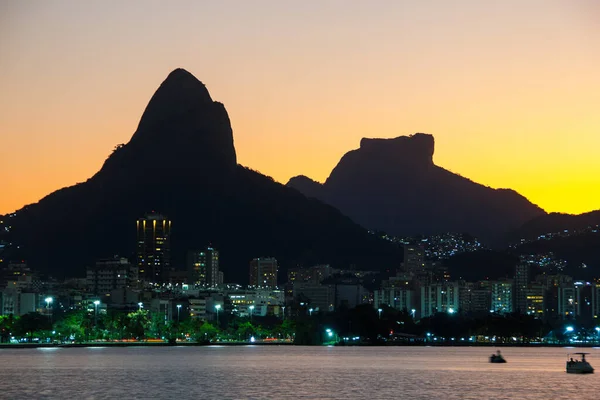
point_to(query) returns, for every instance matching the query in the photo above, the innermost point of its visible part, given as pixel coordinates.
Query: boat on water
(497, 358)
(575, 366)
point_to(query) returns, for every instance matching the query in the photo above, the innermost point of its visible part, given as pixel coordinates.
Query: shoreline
(194, 344)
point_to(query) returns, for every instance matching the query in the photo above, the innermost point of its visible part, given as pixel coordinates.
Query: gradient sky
(509, 89)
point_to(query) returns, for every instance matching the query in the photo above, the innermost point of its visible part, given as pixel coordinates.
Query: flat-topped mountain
(181, 162)
(393, 185)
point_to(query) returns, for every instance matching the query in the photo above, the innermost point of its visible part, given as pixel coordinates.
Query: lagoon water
(292, 372)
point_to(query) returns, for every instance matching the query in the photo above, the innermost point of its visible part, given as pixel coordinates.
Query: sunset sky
(509, 89)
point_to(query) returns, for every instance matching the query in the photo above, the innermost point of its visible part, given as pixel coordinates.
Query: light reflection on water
(278, 372)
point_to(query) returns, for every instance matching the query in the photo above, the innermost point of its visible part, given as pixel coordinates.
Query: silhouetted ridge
(554, 223)
(393, 185)
(181, 162)
(306, 186)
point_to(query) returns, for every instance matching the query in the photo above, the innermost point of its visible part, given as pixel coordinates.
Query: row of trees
(82, 326)
(363, 321)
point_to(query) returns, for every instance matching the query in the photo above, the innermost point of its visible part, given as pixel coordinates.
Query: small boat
(497, 358)
(575, 366)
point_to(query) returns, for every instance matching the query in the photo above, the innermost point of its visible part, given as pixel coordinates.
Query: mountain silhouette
(554, 223)
(181, 162)
(394, 186)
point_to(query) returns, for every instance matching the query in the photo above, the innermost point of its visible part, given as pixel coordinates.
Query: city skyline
(508, 90)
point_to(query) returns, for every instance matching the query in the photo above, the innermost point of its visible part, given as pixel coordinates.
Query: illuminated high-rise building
(502, 298)
(153, 247)
(520, 288)
(263, 272)
(414, 259)
(203, 267)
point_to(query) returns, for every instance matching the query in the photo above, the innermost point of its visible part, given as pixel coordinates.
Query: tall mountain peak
(182, 128)
(180, 93)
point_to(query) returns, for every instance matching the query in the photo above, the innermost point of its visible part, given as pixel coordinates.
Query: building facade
(110, 274)
(502, 297)
(203, 267)
(520, 288)
(263, 273)
(440, 297)
(153, 248)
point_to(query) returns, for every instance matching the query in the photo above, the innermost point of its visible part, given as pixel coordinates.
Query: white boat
(575, 366)
(497, 358)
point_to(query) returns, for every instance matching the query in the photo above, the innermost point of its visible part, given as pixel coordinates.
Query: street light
(48, 301)
(379, 310)
(284, 313)
(96, 302)
(140, 305)
(310, 311)
(451, 311)
(217, 307)
(178, 308)
(251, 308)
(413, 311)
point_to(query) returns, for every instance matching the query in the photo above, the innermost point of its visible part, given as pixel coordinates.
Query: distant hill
(181, 162)
(581, 251)
(393, 185)
(555, 222)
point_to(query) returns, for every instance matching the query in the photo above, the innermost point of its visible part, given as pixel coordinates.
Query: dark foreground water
(289, 372)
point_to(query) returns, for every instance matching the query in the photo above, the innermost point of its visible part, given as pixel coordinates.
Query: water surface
(292, 372)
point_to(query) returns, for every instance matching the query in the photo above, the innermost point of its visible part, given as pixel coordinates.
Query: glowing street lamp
(283, 308)
(178, 309)
(96, 302)
(140, 305)
(379, 310)
(310, 310)
(413, 311)
(570, 329)
(251, 308)
(217, 307)
(451, 311)
(48, 310)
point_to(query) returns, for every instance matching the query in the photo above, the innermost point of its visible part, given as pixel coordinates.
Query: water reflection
(280, 372)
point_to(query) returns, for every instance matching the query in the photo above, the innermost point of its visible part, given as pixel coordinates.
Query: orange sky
(510, 91)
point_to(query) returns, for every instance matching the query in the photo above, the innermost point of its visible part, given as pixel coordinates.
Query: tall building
(535, 300)
(520, 289)
(596, 301)
(203, 267)
(567, 301)
(474, 298)
(153, 248)
(263, 272)
(576, 300)
(502, 298)
(110, 274)
(414, 258)
(439, 297)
